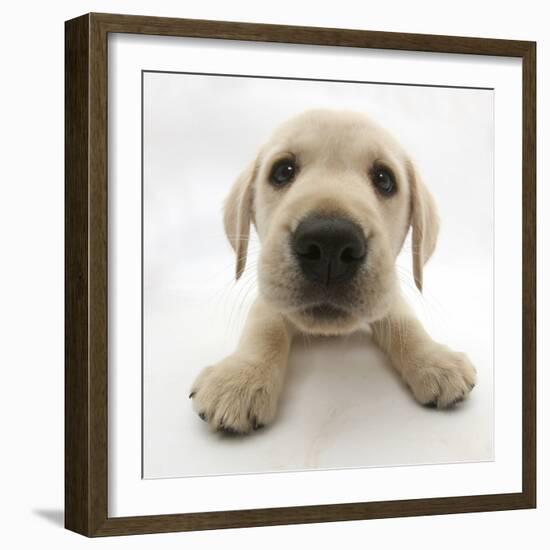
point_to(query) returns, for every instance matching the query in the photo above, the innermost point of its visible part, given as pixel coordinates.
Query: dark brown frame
(86, 273)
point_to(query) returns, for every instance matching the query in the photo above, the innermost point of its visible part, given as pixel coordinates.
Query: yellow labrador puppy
(332, 196)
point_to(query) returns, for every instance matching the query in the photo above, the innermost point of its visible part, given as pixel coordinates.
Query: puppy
(332, 196)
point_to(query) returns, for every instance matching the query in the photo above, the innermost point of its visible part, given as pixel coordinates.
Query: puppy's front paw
(236, 396)
(440, 377)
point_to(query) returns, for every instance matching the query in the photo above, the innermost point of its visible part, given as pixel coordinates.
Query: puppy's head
(332, 196)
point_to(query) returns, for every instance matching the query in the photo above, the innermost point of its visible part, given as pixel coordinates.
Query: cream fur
(334, 150)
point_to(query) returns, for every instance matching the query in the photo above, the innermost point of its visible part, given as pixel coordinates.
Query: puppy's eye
(283, 172)
(384, 180)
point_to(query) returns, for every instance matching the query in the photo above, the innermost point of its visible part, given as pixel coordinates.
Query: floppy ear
(237, 215)
(424, 222)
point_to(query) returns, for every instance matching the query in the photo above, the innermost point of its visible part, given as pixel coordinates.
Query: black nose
(329, 249)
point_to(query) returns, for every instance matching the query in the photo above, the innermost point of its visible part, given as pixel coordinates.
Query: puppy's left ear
(237, 215)
(424, 222)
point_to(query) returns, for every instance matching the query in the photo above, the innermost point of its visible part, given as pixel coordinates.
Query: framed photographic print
(300, 274)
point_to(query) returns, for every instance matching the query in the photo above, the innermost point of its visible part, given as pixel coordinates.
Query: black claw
(431, 405)
(228, 430)
(202, 416)
(255, 424)
(192, 394)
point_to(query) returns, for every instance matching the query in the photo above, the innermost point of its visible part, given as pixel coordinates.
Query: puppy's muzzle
(329, 249)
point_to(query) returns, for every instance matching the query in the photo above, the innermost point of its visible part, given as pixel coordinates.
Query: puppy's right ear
(237, 215)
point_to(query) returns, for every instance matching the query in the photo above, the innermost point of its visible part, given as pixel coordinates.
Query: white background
(32, 280)
(342, 405)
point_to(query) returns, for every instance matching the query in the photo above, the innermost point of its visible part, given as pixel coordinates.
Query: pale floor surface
(343, 406)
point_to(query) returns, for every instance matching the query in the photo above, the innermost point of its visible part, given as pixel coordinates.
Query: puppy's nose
(329, 249)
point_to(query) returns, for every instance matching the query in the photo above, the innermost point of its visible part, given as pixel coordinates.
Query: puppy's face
(332, 196)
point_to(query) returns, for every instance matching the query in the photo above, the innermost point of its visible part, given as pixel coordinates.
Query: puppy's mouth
(324, 318)
(325, 312)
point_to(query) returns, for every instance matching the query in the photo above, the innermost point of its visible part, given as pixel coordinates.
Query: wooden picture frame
(86, 283)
